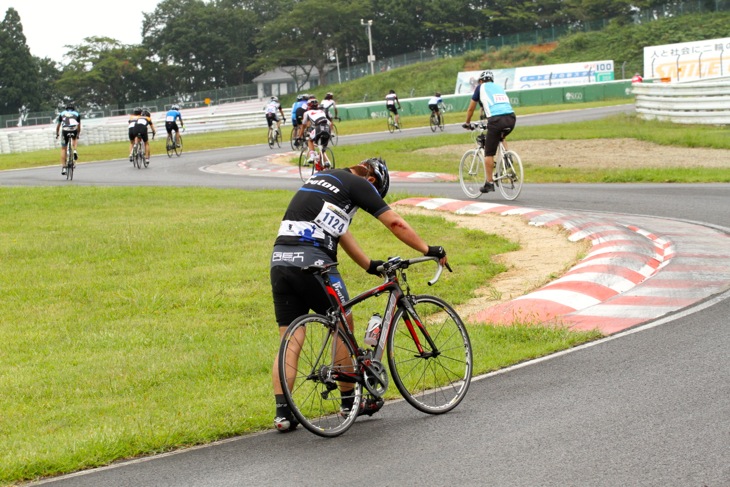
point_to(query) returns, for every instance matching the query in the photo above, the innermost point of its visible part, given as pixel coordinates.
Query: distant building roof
(284, 73)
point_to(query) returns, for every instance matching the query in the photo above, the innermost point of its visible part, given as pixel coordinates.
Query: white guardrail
(231, 116)
(693, 102)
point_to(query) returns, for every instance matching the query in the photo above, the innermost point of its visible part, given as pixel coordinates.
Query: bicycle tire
(442, 124)
(293, 138)
(270, 138)
(333, 135)
(179, 150)
(433, 383)
(306, 168)
(472, 172)
(510, 175)
(313, 395)
(278, 138)
(170, 145)
(329, 156)
(391, 124)
(69, 160)
(432, 122)
(139, 156)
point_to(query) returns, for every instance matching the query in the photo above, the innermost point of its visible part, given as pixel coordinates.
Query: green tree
(100, 72)
(308, 35)
(208, 45)
(19, 77)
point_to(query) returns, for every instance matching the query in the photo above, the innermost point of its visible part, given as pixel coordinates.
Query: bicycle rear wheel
(293, 138)
(277, 138)
(306, 168)
(472, 172)
(433, 122)
(510, 175)
(179, 146)
(328, 159)
(69, 161)
(435, 377)
(139, 155)
(271, 138)
(333, 135)
(313, 354)
(170, 145)
(391, 124)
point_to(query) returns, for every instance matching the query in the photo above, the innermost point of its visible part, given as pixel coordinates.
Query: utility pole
(371, 57)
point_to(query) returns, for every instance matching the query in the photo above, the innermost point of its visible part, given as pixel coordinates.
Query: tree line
(194, 45)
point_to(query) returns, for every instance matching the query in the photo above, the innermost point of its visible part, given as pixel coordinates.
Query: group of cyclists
(140, 123)
(308, 116)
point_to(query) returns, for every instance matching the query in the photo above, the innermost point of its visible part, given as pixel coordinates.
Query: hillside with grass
(624, 44)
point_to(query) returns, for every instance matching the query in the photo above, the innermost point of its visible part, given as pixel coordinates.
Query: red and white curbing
(638, 269)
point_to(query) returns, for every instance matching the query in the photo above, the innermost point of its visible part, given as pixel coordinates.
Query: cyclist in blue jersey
(297, 111)
(315, 224)
(171, 118)
(501, 120)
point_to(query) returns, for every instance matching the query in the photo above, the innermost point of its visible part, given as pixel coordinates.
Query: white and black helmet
(379, 170)
(486, 76)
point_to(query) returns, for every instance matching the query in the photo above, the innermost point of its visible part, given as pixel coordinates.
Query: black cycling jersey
(321, 211)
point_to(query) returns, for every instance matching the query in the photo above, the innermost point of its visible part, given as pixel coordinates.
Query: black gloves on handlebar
(436, 251)
(373, 267)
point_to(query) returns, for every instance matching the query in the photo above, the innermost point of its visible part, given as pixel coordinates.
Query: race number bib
(333, 220)
(500, 98)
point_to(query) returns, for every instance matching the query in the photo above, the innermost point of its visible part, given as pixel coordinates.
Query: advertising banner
(686, 61)
(547, 76)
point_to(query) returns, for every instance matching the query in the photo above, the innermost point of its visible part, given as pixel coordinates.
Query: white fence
(231, 116)
(695, 102)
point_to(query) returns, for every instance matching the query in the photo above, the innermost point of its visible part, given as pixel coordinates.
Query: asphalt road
(647, 407)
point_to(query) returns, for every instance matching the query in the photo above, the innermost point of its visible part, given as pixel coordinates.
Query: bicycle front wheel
(314, 355)
(306, 168)
(441, 122)
(510, 175)
(472, 172)
(429, 355)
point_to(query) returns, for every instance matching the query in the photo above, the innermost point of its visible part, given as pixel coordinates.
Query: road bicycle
(428, 351)
(508, 172)
(70, 164)
(274, 136)
(392, 127)
(138, 155)
(172, 147)
(324, 158)
(436, 121)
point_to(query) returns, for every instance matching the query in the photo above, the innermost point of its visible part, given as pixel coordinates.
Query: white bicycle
(508, 171)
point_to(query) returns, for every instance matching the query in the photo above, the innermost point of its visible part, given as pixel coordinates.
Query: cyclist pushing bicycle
(501, 120)
(314, 225)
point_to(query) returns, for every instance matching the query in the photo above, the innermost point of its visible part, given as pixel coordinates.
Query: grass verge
(138, 320)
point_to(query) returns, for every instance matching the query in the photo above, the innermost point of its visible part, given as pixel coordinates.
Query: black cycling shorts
(498, 127)
(170, 126)
(296, 292)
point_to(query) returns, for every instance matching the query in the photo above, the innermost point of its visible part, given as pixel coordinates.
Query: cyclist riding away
(132, 124)
(309, 235)
(70, 120)
(141, 128)
(501, 120)
(329, 106)
(297, 112)
(391, 100)
(319, 127)
(173, 115)
(271, 116)
(434, 103)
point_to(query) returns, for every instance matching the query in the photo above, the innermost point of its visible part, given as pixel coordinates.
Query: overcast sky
(47, 31)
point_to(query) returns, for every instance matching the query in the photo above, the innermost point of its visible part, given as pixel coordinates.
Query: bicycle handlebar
(474, 126)
(396, 263)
